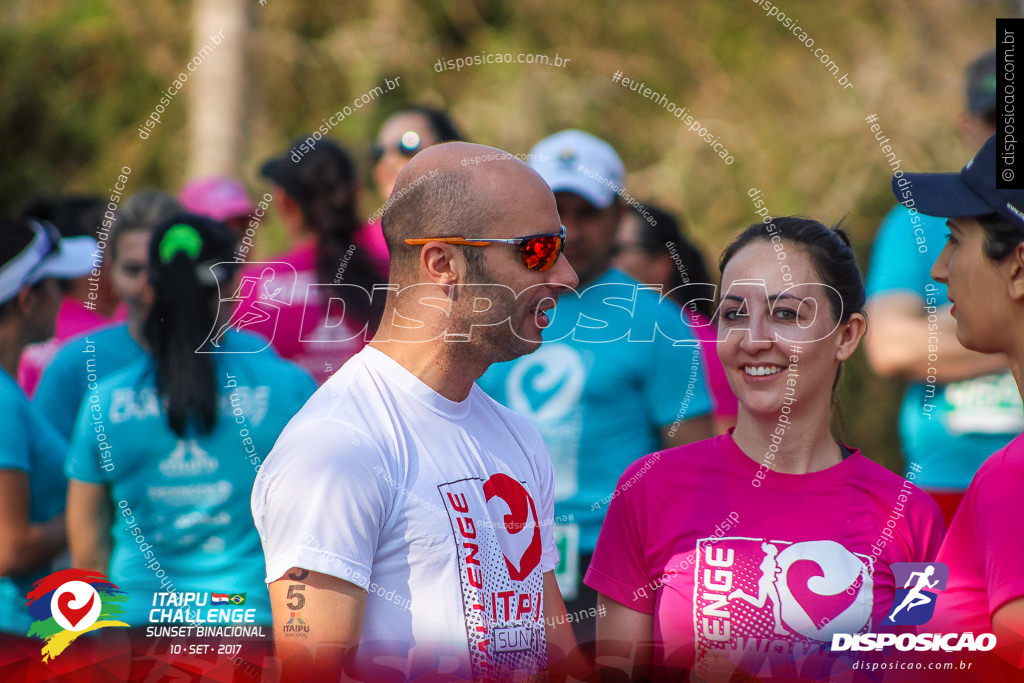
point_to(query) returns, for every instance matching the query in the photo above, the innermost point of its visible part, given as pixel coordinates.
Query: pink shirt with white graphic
(288, 309)
(983, 549)
(726, 566)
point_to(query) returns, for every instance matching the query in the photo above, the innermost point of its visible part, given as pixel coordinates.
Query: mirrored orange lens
(540, 253)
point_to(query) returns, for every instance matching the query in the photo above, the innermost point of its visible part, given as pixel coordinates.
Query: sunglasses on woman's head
(408, 145)
(538, 252)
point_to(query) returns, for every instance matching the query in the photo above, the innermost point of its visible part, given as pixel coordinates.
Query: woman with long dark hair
(748, 551)
(316, 192)
(164, 452)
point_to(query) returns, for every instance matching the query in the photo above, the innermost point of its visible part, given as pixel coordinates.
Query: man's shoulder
(520, 426)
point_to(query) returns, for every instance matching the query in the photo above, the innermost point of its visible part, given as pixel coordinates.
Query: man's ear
(444, 264)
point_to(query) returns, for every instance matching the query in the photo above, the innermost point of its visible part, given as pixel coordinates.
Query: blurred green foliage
(79, 76)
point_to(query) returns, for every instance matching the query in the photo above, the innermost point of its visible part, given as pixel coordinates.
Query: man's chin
(516, 347)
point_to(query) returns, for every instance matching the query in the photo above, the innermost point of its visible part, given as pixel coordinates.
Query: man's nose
(562, 273)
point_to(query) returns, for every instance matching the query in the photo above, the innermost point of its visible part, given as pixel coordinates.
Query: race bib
(567, 573)
(984, 405)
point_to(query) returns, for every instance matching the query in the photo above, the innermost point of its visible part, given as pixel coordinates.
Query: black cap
(299, 170)
(971, 192)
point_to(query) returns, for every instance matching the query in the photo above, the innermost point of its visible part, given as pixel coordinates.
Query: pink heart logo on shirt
(821, 608)
(519, 534)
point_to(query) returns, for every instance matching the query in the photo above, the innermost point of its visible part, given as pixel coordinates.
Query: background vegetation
(79, 76)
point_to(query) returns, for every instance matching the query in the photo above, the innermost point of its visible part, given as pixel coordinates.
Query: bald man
(406, 517)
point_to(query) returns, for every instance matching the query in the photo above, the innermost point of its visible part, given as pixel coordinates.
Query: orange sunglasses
(539, 252)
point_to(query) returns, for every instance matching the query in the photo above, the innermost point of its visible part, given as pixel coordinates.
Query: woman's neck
(802, 445)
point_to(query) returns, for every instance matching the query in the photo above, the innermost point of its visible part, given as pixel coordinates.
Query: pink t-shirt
(278, 303)
(73, 319)
(984, 548)
(725, 404)
(371, 237)
(725, 566)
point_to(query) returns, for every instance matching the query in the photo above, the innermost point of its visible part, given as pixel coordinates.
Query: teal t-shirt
(89, 358)
(181, 514)
(32, 446)
(948, 429)
(608, 377)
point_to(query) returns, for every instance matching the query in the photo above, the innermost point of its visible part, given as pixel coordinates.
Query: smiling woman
(797, 567)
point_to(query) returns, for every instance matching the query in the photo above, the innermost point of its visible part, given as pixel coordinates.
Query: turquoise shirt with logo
(32, 446)
(947, 429)
(616, 367)
(181, 516)
(91, 357)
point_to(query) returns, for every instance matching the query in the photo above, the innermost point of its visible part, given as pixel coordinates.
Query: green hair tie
(180, 237)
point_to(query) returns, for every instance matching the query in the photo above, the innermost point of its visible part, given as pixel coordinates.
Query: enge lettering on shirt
(498, 539)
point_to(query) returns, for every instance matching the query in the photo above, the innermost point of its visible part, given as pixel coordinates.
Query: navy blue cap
(972, 192)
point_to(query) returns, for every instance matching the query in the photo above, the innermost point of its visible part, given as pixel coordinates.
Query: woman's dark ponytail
(186, 294)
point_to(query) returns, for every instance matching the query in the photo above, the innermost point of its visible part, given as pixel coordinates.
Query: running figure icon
(766, 587)
(251, 309)
(915, 597)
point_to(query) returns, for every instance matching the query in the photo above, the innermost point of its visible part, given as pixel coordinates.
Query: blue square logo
(917, 586)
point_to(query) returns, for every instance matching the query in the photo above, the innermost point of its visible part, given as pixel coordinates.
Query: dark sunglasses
(539, 252)
(408, 145)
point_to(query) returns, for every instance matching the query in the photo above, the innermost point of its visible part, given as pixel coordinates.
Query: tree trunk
(216, 106)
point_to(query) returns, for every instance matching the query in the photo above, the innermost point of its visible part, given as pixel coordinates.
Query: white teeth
(760, 371)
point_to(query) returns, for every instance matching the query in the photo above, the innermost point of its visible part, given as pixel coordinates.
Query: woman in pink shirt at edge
(403, 135)
(315, 194)
(982, 266)
(88, 302)
(652, 249)
(748, 551)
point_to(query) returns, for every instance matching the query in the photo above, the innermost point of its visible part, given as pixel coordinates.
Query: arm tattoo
(296, 596)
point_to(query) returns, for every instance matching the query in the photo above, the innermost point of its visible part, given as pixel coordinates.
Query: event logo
(68, 603)
(915, 605)
(257, 301)
(296, 626)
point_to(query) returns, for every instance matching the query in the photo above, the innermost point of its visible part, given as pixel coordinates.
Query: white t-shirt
(442, 511)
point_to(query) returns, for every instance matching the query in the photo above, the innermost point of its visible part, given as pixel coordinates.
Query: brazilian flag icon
(237, 598)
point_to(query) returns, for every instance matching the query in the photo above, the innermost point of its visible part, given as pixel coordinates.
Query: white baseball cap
(47, 255)
(575, 161)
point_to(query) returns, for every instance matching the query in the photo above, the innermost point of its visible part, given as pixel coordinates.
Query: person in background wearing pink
(651, 248)
(220, 198)
(89, 301)
(982, 266)
(316, 305)
(747, 551)
(404, 134)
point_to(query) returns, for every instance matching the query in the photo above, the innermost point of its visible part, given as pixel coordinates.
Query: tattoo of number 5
(296, 596)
